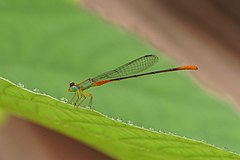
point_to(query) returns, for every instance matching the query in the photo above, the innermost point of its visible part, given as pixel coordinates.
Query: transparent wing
(130, 68)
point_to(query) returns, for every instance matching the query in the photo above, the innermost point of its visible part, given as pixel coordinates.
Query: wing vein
(135, 66)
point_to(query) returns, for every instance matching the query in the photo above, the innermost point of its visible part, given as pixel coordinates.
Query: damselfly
(126, 71)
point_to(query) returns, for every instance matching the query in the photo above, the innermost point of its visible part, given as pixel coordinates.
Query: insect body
(126, 71)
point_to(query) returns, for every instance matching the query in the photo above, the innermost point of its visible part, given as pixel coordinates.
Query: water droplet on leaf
(65, 100)
(20, 85)
(130, 123)
(119, 120)
(151, 129)
(36, 90)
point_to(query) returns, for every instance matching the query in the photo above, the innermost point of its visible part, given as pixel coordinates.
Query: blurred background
(206, 34)
(46, 44)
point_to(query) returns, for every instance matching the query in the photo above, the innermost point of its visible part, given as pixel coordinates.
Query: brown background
(206, 33)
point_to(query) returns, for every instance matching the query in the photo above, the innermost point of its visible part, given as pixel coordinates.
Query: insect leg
(73, 98)
(77, 93)
(82, 96)
(91, 98)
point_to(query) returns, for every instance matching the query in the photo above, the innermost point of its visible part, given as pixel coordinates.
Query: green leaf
(120, 140)
(45, 44)
(3, 117)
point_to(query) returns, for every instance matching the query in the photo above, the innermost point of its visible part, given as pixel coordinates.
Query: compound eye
(74, 88)
(72, 84)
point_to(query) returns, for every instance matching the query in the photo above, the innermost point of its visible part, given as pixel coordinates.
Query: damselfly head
(72, 87)
(71, 84)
